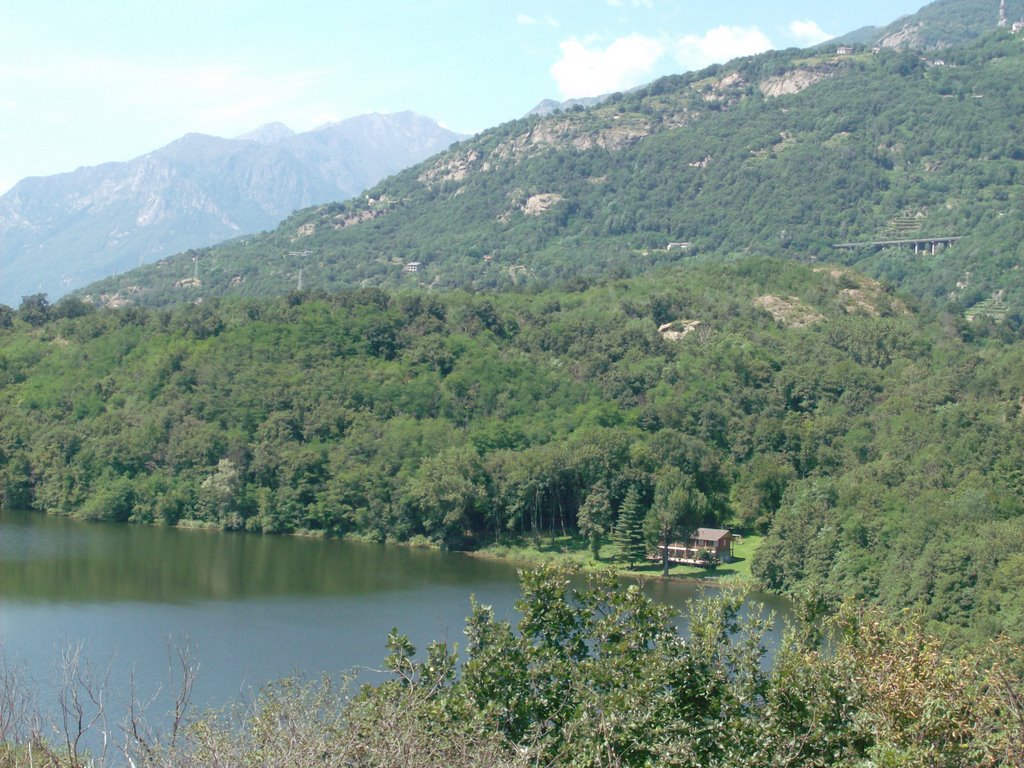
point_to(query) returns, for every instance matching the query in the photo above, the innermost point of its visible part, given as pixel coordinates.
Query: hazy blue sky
(88, 81)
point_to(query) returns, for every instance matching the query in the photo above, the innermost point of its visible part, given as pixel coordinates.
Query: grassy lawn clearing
(575, 552)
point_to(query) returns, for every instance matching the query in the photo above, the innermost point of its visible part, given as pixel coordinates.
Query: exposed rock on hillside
(562, 133)
(601, 127)
(725, 90)
(789, 310)
(534, 205)
(537, 204)
(678, 330)
(330, 217)
(860, 294)
(554, 133)
(450, 167)
(793, 82)
(911, 36)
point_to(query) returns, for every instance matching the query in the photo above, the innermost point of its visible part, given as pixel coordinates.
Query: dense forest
(877, 445)
(784, 154)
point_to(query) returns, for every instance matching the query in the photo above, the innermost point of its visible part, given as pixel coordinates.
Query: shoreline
(734, 574)
(565, 551)
(728, 581)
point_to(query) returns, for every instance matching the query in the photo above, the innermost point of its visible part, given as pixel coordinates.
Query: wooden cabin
(717, 541)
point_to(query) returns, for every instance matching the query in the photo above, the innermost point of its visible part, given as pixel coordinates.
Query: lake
(253, 608)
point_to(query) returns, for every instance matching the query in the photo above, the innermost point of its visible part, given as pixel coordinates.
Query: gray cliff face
(61, 232)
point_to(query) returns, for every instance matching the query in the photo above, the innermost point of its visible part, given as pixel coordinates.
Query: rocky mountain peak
(271, 133)
(60, 232)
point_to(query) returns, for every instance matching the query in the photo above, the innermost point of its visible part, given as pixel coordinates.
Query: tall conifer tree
(629, 530)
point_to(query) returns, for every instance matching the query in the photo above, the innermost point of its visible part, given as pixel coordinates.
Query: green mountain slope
(783, 154)
(946, 23)
(941, 24)
(879, 449)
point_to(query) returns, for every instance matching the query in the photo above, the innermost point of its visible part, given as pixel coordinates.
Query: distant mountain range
(60, 232)
(787, 153)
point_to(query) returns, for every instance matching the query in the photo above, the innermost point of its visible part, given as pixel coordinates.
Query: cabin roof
(711, 534)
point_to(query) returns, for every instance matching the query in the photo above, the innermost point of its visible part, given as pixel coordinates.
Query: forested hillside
(782, 154)
(879, 449)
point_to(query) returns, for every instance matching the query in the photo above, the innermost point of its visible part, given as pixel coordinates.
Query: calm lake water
(254, 608)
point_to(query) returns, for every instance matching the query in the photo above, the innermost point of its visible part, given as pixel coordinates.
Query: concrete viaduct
(919, 243)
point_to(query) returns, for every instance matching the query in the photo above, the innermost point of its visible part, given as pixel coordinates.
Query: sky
(84, 82)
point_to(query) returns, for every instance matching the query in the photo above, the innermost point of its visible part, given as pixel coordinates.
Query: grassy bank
(571, 551)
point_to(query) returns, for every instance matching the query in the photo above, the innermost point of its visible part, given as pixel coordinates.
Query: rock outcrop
(794, 81)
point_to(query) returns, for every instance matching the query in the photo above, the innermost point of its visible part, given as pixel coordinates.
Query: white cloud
(808, 32)
(590, 71)
(719, 45)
